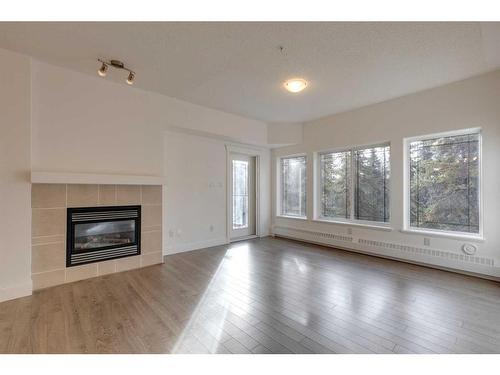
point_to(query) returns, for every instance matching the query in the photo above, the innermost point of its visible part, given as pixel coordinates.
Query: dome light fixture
(117, 64)
(295, 85)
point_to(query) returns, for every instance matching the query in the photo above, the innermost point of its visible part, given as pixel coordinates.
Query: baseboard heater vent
(331, 236)
(429, 252)
(314, 236)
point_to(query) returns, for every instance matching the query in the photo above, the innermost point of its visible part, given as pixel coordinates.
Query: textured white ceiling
(238, 67)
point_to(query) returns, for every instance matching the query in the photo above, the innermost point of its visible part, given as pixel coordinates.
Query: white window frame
(407, 228)
(279, 185)
(317, 189)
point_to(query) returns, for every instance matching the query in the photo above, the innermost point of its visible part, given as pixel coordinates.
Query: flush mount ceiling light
(117, 64)
(295, 85)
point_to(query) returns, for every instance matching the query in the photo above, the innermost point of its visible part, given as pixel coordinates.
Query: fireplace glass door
(104, 234)
(101, 233)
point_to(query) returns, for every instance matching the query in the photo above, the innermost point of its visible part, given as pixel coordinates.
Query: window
(371, 184)
(293, 186)
(444, 183)
(354, 184)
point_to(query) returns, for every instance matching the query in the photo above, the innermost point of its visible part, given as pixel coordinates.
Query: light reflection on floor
(204, 331)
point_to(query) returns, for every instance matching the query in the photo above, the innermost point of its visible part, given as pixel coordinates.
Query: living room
(249, 187)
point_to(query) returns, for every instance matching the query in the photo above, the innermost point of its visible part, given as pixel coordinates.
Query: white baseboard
(190, 246)
(16, 291)
(436, 258)
(265, 233)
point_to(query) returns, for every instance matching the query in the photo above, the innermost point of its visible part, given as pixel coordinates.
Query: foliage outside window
(444, 183)
(240, 194)
(371, 184)
(355, 184)
(335, 184)
(293, 186)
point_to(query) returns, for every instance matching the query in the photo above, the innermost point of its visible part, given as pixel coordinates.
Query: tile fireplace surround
(48, 244)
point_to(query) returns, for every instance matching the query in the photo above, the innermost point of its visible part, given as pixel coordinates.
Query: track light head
(103, 70)
(130, 78)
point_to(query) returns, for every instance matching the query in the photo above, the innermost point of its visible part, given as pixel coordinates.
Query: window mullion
(347, 197)
(383, 191)
(353, 189)
(468, 184)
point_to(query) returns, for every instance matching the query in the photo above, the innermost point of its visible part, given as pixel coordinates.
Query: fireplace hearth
(95, 234)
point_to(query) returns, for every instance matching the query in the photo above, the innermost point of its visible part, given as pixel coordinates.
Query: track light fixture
(117, 64)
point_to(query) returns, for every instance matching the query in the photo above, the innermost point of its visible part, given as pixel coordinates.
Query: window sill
(303, 218)
(449, 235)
(384, 228)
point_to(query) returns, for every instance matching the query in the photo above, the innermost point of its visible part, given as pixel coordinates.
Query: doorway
(242, 196)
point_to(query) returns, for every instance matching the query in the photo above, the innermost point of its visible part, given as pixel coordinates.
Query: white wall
(195, 192)
(471, 103)
(15, 188)
(284, 134)
(89, 124)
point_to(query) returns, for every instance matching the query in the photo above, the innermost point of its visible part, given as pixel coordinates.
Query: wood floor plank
(283, 339)
(235, 347)
(259, 349)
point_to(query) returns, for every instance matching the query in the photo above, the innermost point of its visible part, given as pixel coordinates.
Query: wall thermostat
(469, 248)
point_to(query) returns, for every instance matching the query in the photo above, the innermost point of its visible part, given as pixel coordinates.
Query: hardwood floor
(260, 296)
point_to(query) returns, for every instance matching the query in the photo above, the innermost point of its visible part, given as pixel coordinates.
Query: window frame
(318, 184)
(406, 186)
(279, 203)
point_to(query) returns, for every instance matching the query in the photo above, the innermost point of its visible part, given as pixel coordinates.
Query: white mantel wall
(467, 104)
(89, 124)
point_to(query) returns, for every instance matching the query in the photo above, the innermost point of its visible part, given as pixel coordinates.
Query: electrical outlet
(211, 228)
(427, 241)
(349, 230)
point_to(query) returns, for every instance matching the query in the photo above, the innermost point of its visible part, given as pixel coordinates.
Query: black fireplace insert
(95, 234)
